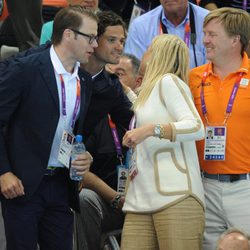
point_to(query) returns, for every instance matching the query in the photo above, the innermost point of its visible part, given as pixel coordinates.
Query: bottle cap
(78, 138)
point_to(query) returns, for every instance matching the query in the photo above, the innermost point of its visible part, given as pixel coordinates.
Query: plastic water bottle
(78, 148)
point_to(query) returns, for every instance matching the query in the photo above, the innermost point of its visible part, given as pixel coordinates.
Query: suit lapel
(86, 92)
(48, 74)
(83, 99)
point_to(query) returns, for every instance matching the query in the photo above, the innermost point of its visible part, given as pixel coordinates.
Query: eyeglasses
(91, 38)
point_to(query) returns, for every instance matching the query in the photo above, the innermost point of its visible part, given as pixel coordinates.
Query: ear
(248, 49)
(138, 81)
(236, 39)
(67, 33)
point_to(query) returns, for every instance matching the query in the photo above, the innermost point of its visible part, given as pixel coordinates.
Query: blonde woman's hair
(235, 22)
(168, 54)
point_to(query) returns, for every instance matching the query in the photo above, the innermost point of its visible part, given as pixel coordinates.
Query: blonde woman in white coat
(164, 203)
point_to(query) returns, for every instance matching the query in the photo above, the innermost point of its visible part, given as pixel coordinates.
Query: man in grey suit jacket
(39, 94)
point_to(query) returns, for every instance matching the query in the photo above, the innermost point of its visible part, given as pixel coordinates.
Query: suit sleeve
(9, 62)
(121, 113)
(108, 98)
(11, 89)
(178, 101)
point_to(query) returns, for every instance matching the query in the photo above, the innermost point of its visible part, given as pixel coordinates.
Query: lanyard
(77, 103)
(244, 4)
(116, 139)
(132, 123)
(163, 30)
(187, 33)
(231, 98)
(190, 32)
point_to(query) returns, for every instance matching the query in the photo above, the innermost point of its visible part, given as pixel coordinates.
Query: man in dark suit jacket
(100, 200)
(37, 103)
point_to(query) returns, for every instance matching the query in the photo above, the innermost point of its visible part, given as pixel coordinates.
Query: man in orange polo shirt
(221, 91)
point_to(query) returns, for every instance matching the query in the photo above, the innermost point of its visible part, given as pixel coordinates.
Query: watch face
(157, 130)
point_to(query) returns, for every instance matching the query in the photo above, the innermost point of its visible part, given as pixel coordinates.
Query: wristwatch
(115, 202)
(159, 131)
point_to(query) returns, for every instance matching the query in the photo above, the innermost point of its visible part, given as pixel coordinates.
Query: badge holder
(66, 148)
(136, 11)
(215, 143)
(122, 175)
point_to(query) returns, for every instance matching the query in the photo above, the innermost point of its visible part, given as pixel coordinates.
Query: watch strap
(115, 202)
(161, 133)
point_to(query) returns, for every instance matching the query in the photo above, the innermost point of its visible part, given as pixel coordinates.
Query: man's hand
(82, 163)
(10, 186)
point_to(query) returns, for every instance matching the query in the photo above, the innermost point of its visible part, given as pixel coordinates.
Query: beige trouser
(179, 227)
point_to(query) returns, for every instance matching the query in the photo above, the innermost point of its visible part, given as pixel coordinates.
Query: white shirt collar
(58, 66)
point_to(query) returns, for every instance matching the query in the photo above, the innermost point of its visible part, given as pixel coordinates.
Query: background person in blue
(36, 201)
(173, 17)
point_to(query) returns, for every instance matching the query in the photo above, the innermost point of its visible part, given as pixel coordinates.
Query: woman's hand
(137, 135)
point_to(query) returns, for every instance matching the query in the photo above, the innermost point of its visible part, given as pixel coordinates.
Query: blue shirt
(144, 28)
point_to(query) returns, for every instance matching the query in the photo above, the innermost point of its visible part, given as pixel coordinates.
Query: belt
(226, 177)
(50, 170)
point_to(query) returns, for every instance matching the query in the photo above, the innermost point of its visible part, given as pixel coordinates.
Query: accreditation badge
(215, 143)
(137, 11)
(244, 82)
(122, 175)
(66, 148)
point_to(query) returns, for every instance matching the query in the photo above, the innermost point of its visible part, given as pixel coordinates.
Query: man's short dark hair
(109, 18)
